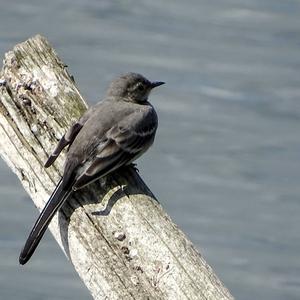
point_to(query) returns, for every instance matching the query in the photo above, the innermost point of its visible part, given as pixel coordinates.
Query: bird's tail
(56, 200)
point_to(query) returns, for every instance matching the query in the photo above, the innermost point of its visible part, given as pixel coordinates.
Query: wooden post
(119, 239)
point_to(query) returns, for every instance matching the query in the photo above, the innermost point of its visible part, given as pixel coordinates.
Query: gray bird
(113, 133)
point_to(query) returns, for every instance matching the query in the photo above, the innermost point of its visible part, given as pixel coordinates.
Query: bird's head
(132, 87)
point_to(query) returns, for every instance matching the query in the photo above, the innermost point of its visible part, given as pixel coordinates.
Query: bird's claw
(121, 186)
(134, 166)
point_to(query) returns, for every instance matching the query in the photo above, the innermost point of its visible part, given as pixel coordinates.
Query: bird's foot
(121, 186)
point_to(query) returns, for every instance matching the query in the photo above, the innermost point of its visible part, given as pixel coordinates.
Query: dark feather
(58, 197)
(66, 140)
(70, 135)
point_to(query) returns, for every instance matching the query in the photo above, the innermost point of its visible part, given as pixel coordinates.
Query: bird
(111, 134)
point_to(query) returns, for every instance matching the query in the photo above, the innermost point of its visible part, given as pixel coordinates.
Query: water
(228, 142)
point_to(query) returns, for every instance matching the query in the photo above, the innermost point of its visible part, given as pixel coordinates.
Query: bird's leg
(123, 188)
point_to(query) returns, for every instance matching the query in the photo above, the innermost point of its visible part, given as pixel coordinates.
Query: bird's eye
(140, 87)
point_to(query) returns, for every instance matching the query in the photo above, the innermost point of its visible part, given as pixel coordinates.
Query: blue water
(228, 143)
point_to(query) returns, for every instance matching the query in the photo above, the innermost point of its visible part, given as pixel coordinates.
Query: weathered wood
(123, 247)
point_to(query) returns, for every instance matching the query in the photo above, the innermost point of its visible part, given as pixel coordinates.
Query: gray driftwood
(119, 239)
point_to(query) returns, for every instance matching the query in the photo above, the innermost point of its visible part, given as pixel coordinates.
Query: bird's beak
(156, 83)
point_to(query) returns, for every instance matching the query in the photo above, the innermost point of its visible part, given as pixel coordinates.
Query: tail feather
(58, 197)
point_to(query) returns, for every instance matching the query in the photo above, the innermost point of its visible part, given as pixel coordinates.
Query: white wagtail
(113, 133)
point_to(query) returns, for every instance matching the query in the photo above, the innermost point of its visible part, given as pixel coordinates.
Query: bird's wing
(122, 144)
